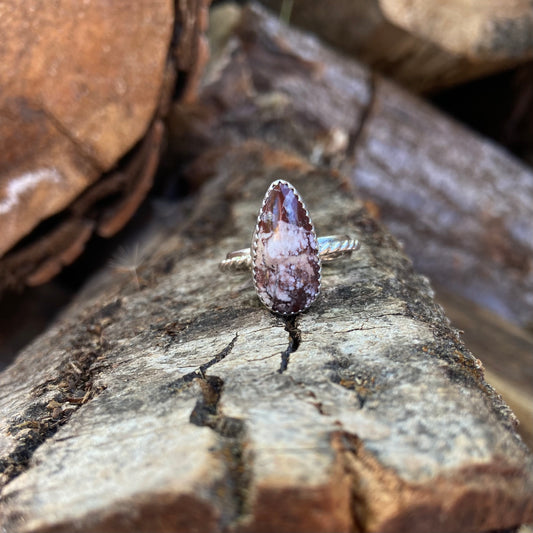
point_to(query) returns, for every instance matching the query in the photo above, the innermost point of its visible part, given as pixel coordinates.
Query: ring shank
(330, 248)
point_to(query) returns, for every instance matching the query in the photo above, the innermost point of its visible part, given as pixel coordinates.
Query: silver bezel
(254, 244)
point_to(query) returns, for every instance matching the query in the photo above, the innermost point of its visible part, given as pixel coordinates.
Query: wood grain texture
(160, 405)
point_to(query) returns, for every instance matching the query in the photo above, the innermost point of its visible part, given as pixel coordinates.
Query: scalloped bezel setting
(285, 261)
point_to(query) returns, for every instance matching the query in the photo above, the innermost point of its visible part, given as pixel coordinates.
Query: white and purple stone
(285, 261)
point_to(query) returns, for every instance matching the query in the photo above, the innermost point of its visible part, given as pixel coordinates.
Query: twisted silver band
(329, 248)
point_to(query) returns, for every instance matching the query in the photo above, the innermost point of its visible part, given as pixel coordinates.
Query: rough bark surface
(172, 400)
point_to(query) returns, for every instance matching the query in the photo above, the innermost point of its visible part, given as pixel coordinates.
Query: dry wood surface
(169, 399)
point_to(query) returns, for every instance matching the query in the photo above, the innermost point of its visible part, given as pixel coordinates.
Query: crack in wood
(295, 337)
(206, 412)
(234, 487)
(360, 465)
(347, 444)
(85, 150)
(232, 439)
(357, 132)
(200, 373)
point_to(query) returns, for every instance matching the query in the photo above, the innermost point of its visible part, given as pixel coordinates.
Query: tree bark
(167, 398)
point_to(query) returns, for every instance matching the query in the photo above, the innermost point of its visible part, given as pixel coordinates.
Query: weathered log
(164, 409)
(161, 401)
(459, 203)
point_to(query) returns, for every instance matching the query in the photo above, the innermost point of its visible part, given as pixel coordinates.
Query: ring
(286, 256)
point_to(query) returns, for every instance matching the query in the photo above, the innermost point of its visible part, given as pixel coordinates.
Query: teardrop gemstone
(285, 261)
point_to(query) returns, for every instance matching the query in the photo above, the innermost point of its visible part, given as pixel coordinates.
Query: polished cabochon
(285, 254)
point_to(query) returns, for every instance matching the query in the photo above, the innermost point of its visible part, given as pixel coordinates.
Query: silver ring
(329, 248)
(286, 256)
